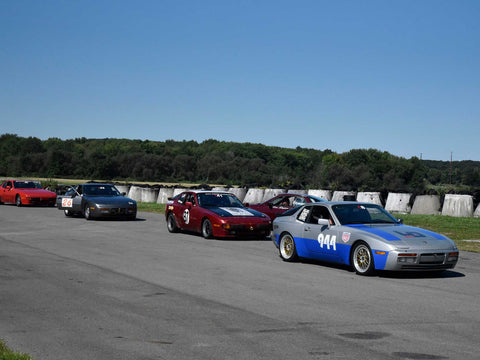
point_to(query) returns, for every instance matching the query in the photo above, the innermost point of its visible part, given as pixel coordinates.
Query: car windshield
(100, 190)
(27, 185)
(218, 200)
(362, 214)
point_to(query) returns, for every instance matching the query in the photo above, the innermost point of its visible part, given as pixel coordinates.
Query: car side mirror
(323, 222)
(400, 221)
(124, 193)
(188, 203)
(270, 205)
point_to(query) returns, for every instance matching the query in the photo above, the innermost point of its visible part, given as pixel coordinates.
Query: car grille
(436, 258)
(119, 211)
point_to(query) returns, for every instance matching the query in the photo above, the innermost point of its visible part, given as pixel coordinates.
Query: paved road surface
(77, 289)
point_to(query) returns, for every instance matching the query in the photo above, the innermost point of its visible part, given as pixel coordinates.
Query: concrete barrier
(135, 193)
(240, 193)
(370, 197)
(254, 196)
(324, 194)
(340, 195)
(296, 191)
(270, 193)
(477, 212)
(164, 194)
(149, 194)
(458, 205)
(123, 188)
(399, 203)
(177, 191)
(426, 205)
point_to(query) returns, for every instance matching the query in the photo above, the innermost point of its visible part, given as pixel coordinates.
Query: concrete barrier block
(270, 193)
(296, 191)
(324, 194)
(240, 193)
(135, 193)
(340, 195)
(123, 188)
(399, 203)
(426, 205)
(149, 195)
(164, 194)
(458, 205)
(477, 212)
(254, 196)
(370, 197)
(178, 190)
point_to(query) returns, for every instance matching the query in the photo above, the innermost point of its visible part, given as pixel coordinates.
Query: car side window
(182, 198)
(319, 212)
(304, 214)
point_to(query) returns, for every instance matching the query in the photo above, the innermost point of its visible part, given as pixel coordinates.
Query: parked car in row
(361, 235)
(94, 200)
(215, 214)
(25, 192)
(283, 202)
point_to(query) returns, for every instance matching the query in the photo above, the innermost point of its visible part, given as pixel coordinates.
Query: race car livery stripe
(236, 211)
(387, 236)
(429, 233)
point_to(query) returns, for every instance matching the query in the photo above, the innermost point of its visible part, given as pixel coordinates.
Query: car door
(321, 239)
(182, 211)
(8, 192)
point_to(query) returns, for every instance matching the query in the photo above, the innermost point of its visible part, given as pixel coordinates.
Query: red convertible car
(26, 192)
(283, 202)
(215, 214)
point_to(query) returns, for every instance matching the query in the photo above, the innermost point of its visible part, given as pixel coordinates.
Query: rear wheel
(362, 259)
(172, 223)
(18, 200)
(207, 231)
(287, 248)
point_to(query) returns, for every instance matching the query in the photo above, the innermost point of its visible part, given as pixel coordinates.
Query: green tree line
(229, 163)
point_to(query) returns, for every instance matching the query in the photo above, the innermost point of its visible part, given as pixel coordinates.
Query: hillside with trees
(230, 163)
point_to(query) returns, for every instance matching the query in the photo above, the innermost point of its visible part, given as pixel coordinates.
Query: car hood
(111, 200)
(408, 236)
(37, 192)
(230, 211)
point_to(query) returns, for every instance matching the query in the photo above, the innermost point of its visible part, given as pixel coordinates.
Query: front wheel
(207, 230)
(67, 213)
(362, 259)
(18, 200)
(172, 223)
(87, 213)
(287, 248)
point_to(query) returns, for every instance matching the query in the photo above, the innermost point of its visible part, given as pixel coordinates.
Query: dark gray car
(95, 200)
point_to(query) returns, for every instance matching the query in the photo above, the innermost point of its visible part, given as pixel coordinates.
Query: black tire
(18, 200)
(287, 248)
(207, 230)
(68, 213)
(87, 213)
(362, 259)
(172, 223)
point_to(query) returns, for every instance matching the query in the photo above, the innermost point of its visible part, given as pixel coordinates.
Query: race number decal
(67, 202)
(186, 216)
(327, 241)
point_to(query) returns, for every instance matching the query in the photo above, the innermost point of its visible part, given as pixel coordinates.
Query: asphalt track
(77, 289)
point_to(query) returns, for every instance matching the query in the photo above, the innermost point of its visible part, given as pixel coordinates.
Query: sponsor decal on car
(346, 237)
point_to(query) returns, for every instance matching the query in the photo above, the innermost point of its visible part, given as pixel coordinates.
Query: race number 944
(327, 241)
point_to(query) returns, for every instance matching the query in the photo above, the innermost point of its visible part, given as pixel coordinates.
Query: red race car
(283, 202)
(215, 214)
(26, 192)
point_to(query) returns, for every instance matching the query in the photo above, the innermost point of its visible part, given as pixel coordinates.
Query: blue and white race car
(361, 235)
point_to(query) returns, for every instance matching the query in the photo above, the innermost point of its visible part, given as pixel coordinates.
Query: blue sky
(398, 76)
